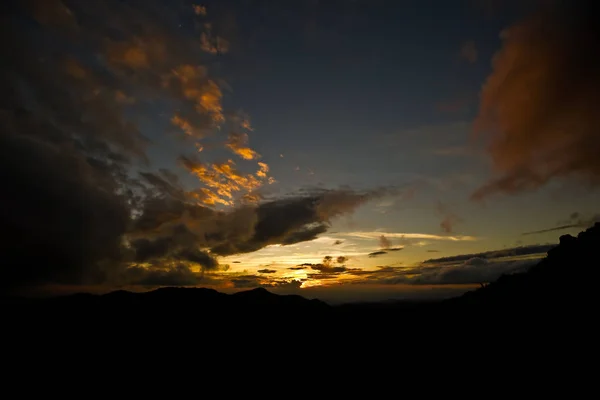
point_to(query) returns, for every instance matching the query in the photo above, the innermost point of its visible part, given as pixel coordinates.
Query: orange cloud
(264, 169)
(195, 85)
(538, 108)
(224, 180)
(237, 143)
(213, 44)
(199, 10)
(184, 125)
(130, 54)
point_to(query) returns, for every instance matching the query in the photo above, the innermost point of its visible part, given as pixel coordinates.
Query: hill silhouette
(549, 292)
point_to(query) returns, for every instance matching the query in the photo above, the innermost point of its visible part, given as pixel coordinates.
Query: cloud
(538, 106)
(237, 143)
(394, 249)
(470, 271)
(81, 202)
(326, 269)
(281, 221)
(223, 180)
(449, 220)
(384, 242)
(338, 242)
(179, 275)
(341, 259)
(377, 253)
(266, 271)
(574, 221)
(468, 51)
(409, 236)
(494, 254)
(199, 10)
(255, 281)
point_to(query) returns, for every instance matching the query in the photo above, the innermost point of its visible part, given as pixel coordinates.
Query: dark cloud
(377, 253)
(470, 271)
(288, 220)
(338, 242)
(266, 271)
(68, 143)
(180, 275)
(574, 221)
(494, 254)
(327, 268)
(539, 105)
(249, 281)
(341, 259)
(81, 203)
(60, 214)
(254, 281)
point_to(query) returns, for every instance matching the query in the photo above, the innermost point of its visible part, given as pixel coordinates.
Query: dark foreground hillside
(557, 291)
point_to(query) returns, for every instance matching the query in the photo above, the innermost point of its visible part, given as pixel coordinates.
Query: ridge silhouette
(548, 292)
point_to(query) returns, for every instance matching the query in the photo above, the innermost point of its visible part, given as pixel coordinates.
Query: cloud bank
(81, 202)
(538, 107)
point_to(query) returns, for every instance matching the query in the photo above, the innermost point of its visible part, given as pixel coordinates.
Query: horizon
(350, 151)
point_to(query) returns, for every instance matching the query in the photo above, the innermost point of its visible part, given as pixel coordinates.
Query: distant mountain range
(561, 283)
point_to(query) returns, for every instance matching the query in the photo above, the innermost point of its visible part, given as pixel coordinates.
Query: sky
(342, 150)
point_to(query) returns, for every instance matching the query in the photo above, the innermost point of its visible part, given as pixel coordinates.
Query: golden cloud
(184, 125)
(237, 143)
(225, 180)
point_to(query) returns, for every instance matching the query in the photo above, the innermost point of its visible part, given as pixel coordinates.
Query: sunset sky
(345, 150)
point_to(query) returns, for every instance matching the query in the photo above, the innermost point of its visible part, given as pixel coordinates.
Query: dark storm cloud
(79, 204)
(539, 105)
(67, 142)
(288, 220)
(59, 211)
(167, 226)
(494, 254)
(574, 221)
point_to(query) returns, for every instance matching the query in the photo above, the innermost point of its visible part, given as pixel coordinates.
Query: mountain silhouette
(549, 292)
(563, 276)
